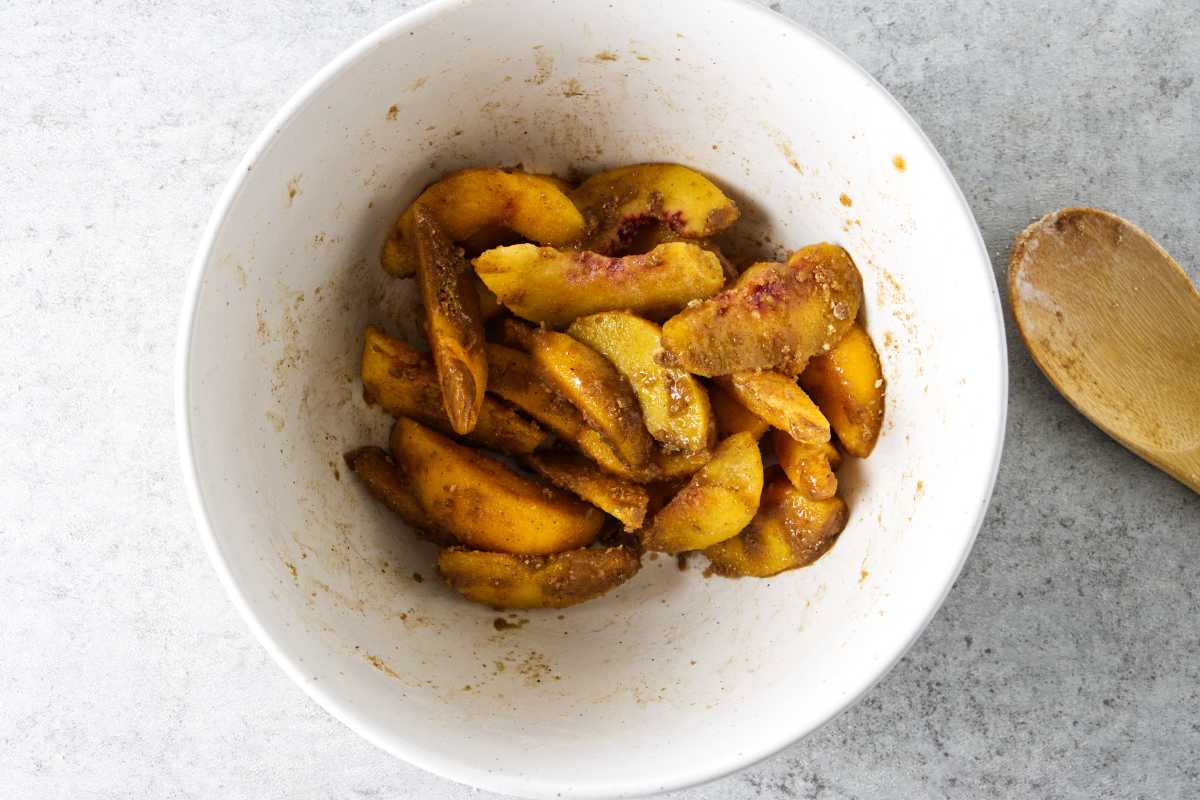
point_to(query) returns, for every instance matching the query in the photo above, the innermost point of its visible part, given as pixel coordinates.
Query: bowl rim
(439, 763)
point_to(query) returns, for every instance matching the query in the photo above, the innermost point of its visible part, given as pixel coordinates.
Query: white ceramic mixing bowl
(673, 678)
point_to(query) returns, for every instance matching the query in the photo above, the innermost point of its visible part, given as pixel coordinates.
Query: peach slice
(619, 202)
(453, 321)
(780, 401)
(550, 286)
(476, 202)
(790, 530)
(513, 375)
(621, 498)
(717, 502)
(776, 316)
(482, 503)
(556, 581)
(597, 389)
(651, 237)
(810, 467)
(674, 404)
(404, 383)
(733, 417)
(848, 386)
(388, 483)
(673, 466)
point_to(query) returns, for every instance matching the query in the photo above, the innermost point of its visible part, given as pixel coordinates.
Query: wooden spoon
(1114, 323)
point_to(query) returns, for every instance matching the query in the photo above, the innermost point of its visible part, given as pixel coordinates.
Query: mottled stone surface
(1065, 664)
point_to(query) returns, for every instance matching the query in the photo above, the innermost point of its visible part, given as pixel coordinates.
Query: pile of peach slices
(622, 374)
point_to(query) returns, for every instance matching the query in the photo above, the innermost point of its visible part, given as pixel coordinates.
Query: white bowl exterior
(673, 678)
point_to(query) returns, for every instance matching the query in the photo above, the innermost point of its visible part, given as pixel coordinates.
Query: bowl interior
(674, 677)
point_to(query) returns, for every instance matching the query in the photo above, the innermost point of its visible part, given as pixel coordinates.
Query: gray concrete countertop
(1065, 664)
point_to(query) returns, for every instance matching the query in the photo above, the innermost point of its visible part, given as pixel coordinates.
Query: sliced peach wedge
(477, 202)
(387, 482)
(502, 580)
(781, 402)
(513, 376)
(622, 499)
(811, 468)
(619, 202)
(776, 316)
(405, 383)
(717, 502)
(733, 417)
(652, 236)
(516, 377)
(594, 386)
(551, 286)
(790, 530)
(453, 321)
(847, 384)
(482, 503)
(674, 404)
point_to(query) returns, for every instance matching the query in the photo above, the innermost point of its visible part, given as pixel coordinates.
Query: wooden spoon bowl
(1114, 323)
